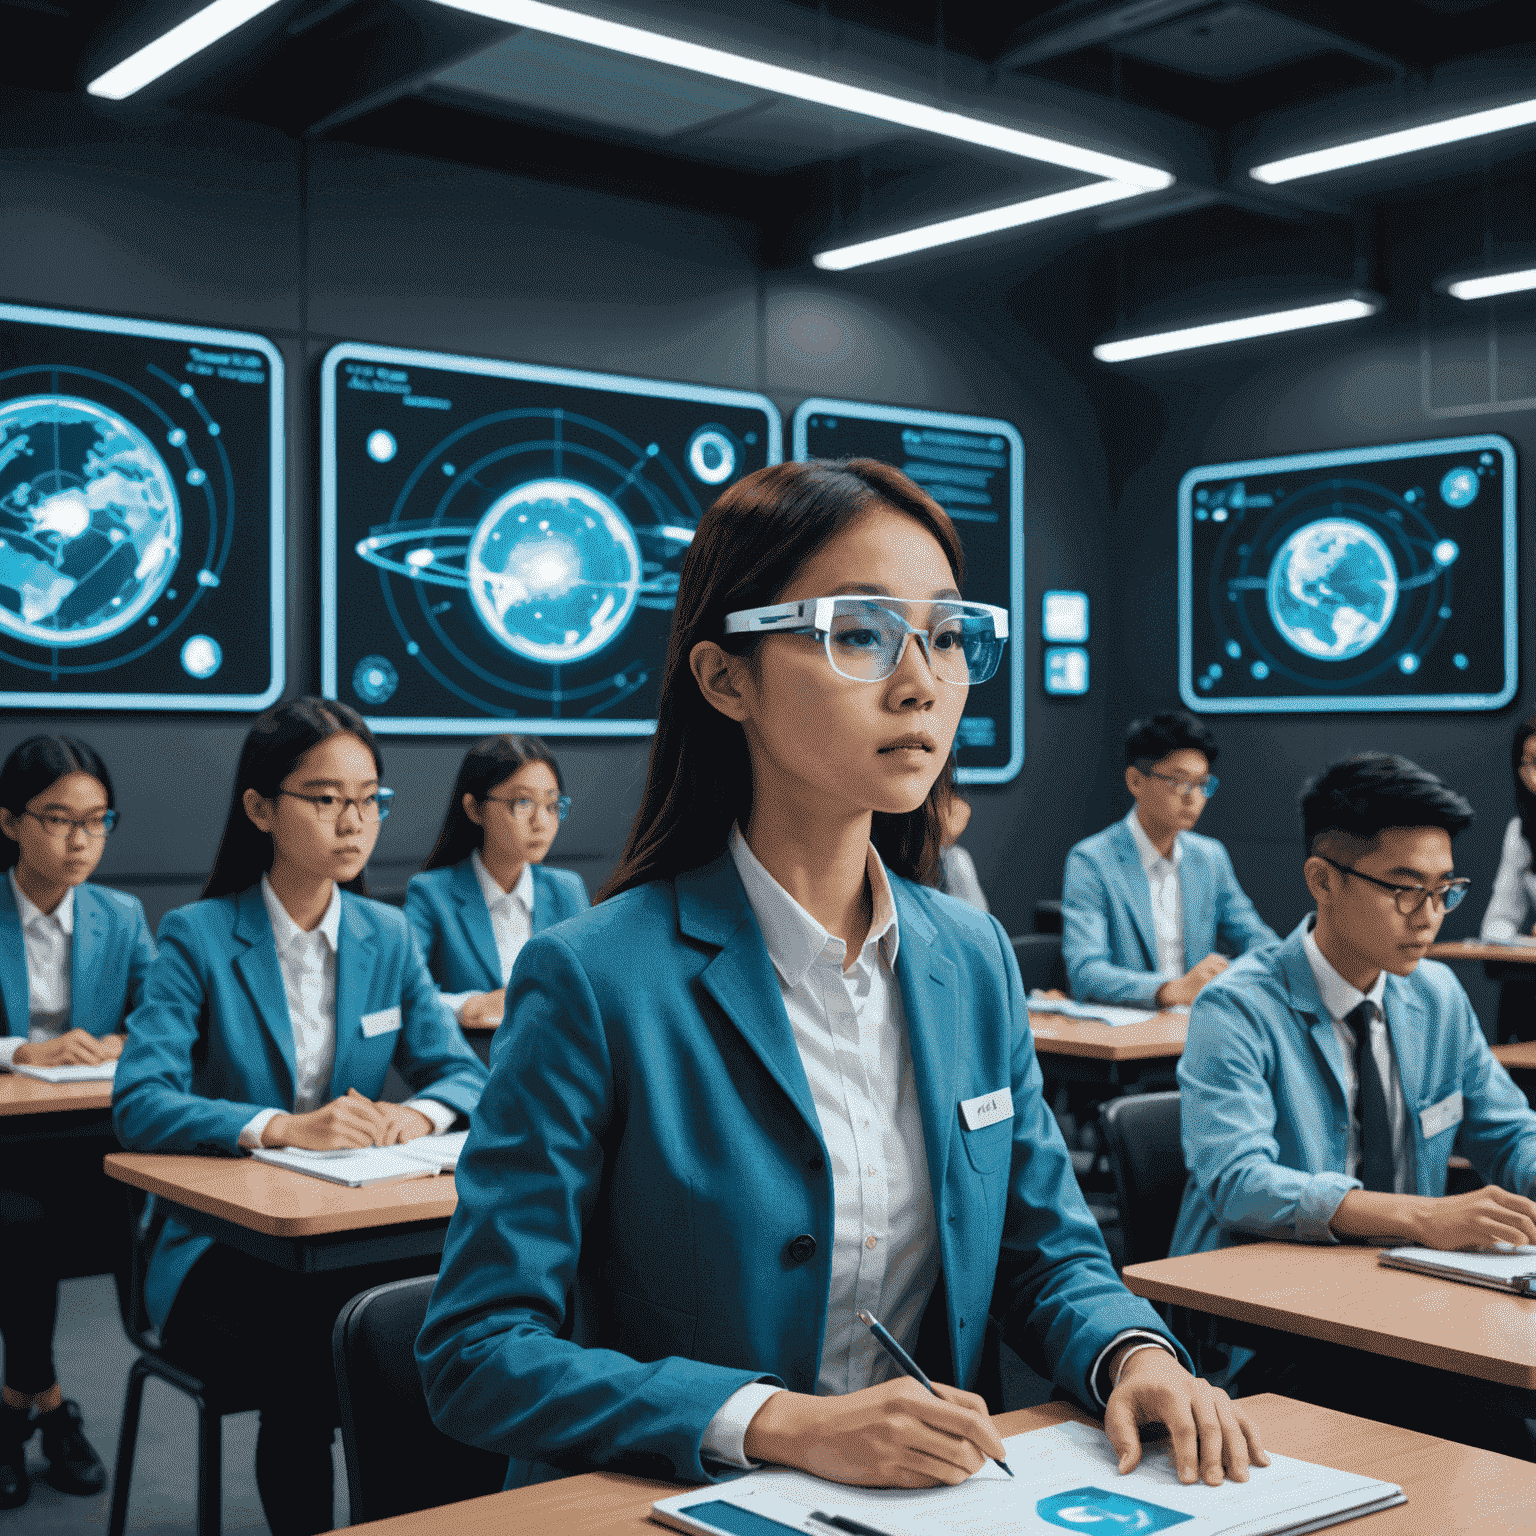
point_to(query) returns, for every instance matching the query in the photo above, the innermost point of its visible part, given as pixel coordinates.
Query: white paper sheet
(1477, 1267)
(356, 1167)
(1103, 1013)
(97, 1072)
(440, 1152)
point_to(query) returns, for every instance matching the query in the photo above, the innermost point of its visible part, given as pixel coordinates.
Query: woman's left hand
(1210, 1434)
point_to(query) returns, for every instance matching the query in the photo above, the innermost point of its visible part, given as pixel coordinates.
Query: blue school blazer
(110, 955)
(1108, 938)
(1264, 1117)
(624, 1255)
(211, 1043)
(453, 925)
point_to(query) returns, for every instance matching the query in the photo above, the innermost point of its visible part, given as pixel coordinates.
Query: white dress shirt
(1514, 890)
(511, 922)
(48, 939)
(308, 964)
(1339, 998)
(1167, 899)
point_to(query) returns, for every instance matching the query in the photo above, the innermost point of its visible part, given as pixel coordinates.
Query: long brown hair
(747, 549)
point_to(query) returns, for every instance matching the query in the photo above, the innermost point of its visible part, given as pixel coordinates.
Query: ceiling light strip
(779, 81)
(970, 225)
(176, 47)
(1405, 141)
(1220, 331)
(1491, 285)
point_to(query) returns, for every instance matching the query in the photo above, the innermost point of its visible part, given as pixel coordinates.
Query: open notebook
(1514, 1272)
(360, 1167)
(100, 1072)
(1100, 1013)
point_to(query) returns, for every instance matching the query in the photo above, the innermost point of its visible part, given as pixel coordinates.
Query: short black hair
(1372, 793)
(1159, 736)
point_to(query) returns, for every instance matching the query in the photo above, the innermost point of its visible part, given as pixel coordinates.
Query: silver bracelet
(1126, 1358)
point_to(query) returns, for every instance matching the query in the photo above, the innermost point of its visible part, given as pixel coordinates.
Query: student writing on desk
(1327, 1080)
(774, 1077)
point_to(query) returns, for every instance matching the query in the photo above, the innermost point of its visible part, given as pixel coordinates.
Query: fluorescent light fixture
(1217, 331)
(967, 227)
(1405, 141)
(779, 81)
(176, 47)
(1491, 284)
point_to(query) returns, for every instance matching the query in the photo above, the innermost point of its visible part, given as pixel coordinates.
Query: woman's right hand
(483, 1010)
(351, 1121)
(895, 1435)
(74, 1048)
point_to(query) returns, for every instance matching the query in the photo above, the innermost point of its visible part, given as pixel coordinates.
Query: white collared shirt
(308, 964)
(1167, 899)
(511, 912)
(48, 939)
(1340, 998)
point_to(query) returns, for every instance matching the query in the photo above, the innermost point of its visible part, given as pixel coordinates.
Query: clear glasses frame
(97, 826)
(524, 806)
(1207, 786)
(374, 807)
(847, 625)
(1445, 896)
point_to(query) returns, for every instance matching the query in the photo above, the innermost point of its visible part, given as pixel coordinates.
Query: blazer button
(802, 1248)
(815, 1162)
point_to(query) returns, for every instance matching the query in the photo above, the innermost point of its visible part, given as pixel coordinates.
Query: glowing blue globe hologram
(1332, 589)
(90, 526)
(554, 571)
(1458, 487)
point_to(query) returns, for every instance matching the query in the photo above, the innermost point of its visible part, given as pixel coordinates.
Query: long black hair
(486, 764)
(272, 750)
(35, 765)
(747, 549)
(1525, 801)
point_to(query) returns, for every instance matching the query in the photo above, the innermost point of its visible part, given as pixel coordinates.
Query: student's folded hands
(482, 1009)
(351, 1121)
(74, 1048)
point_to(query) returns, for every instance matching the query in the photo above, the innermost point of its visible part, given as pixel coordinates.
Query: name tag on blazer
(986, 1109)
(1440, 1117)
(381, 1023)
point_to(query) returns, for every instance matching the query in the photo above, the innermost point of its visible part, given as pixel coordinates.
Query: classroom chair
(1040, 962)
(398, 1460)
(1141, 1135)
(1048, 915)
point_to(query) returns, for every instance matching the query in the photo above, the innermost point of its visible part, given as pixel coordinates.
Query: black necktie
(1375, 1168)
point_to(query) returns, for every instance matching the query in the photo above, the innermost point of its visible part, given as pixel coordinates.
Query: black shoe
(73, 1467)
(15, 1430)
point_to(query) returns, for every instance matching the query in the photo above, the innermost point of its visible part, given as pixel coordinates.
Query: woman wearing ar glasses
(73, 957)
(484, 891)
(774, 1078)
(278, 1004)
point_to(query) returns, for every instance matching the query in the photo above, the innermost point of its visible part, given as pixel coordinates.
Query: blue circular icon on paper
(712, 455)
(1100, 1511)
(201, 656)
(1332, 589)
(374, 679)
(1458, 487)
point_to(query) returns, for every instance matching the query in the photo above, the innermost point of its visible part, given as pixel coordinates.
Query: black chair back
(1048, 915)
(1040, 962)
(398, 1460)
(1141, 1135)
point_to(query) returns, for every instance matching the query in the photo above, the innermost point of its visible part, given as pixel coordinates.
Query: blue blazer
(1265, 1120)
(453, 926)
(1108, 939)
(211, 1043)
(647, 1148)
(109, 957)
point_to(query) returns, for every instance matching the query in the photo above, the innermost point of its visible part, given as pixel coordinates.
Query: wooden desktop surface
(28, 1096)
(1452, 1490)
(1519, 1057)
(276, 1201)
(1057, 1035)
(1344, 1296)
(1468, 949)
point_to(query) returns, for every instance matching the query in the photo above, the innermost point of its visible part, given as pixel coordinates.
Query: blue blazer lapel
(475, 917)
(712, 907)
(1137, 894)
(90, 936)
(263, 978)
(1197, 896)
(1306, 1000)
(14, 990)
(354, 971)
(1409, 1032)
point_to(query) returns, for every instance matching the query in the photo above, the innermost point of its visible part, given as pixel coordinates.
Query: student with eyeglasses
(1512, 907)
(1146, 903)
(73, 958)
(485, 889)
(277, 1006)
(774, 1077)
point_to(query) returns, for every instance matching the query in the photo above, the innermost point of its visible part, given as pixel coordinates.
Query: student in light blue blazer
(73, 958)
(1327, 1080)
(775, 1077)
(1146, 902)
(275, 1010)
(485, 889)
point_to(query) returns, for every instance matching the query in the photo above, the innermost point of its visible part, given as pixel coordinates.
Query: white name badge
(986, 1109)
(1440, 1117)
(381, 1023)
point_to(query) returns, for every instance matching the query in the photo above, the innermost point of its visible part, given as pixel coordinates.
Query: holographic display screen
(503, 541)
(1373, 579)
(141, 514)
(973, 466)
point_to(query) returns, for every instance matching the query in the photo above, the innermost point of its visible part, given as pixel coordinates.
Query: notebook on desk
(94, 1072)
(1098, 1013)
(355, 1167)
(1513, 1272)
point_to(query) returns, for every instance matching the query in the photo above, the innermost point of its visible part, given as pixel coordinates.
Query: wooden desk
(1085, 1051)
(33, 1111)
(1452, 1490)
(1342, 1295)
(290, 1219)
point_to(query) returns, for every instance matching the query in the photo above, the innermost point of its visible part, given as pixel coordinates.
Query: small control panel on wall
(141, 514)
(1365, 579)
(502, 541)
(973, 466)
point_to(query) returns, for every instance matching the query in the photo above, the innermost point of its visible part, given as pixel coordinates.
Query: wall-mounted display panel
(973, 466)
(1363, 579)
(501, 542)
(141, 514)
